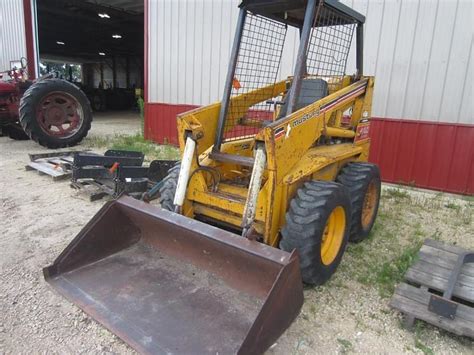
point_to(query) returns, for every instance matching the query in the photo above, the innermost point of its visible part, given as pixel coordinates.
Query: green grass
(345, 344)
(397, 193)
(391, 272)
(425, 349)
(384, 275)
(135, 143)
(141, 106)
(382, 259)
(452, 206)
(469, 198)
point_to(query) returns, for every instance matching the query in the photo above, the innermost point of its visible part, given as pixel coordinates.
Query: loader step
(232, 158)
(427, 279)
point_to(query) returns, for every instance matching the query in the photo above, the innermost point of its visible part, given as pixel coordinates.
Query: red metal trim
(145, 64)
(160, 121)
(432, 155)
(414, 121)
(30, 39)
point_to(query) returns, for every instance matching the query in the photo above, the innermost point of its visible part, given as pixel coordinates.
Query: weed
(452, 206)
(397, 193)
(141, 106)
(419, 328)
(391, 272)
(469, 198)
(436, 235)
(346, 345)
(135, 143)
(466, 216)
(418, 232)
(424, 348)
(96, 141)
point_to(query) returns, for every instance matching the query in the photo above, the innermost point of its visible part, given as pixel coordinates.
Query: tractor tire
(51, 104)
(15, 132)
(317, 226)
(363, 182)
(98, 102)
(168, 189)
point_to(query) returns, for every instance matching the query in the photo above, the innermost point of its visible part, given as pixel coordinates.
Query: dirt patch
(348, 314)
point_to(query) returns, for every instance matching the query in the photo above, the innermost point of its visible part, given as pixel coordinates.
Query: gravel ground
(40, 217)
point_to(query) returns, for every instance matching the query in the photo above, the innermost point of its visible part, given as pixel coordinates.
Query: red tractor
(53, 112)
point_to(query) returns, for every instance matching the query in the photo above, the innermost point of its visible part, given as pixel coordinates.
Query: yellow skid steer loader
(272, 184)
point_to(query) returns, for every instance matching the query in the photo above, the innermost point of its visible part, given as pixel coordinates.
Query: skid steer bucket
(165, 283)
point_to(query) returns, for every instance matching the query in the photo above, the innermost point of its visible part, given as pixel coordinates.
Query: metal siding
(438, 156)
(12, 32)
(419, 50)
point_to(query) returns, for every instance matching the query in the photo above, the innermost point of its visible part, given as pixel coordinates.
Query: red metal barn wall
(419, 50)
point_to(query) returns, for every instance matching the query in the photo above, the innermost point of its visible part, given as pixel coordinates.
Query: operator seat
(311, 90)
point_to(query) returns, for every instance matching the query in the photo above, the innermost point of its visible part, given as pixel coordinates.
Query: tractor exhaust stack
(165, 283)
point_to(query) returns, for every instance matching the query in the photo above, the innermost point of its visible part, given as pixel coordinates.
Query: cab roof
(291, 12)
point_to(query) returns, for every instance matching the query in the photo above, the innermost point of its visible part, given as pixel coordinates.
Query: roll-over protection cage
(326, 29)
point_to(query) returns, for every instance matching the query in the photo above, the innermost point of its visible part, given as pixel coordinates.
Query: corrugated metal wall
(419, 51)
(12, 32)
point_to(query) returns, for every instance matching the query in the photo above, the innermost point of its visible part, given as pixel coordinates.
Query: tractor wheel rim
(368, 207)
(60, 115)
(333, 235)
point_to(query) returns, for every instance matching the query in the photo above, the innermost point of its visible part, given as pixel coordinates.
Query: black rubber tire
(32, 98)
(357, 178)
(168, 190)
(98, 102)
(15, 132)
(305, 223)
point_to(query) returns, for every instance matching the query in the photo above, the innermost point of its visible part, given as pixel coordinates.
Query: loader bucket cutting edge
(165, 283)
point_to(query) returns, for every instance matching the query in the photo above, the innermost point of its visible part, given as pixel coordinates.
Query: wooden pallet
(93, 189)
(57, 165)
(429, 275)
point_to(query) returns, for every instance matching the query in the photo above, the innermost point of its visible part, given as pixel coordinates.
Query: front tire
(55, 113)
(363, 182)
(317, 226)
(15, 132)
(168, 190)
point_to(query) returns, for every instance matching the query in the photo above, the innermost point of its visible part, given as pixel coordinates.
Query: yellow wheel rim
(333, 235)
(368, 207)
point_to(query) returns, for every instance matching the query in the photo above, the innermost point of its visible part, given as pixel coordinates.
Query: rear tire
(15, 132)
(363, 182)
(168, 190)
(32, 105)
(317, 225)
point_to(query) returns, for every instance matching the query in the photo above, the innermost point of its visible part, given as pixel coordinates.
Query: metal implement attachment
(443, 305)
(127, 158)
(116, 178)
(165, 283)
(58, 165)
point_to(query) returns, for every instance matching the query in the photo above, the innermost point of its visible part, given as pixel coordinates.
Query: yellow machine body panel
(294, 147)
